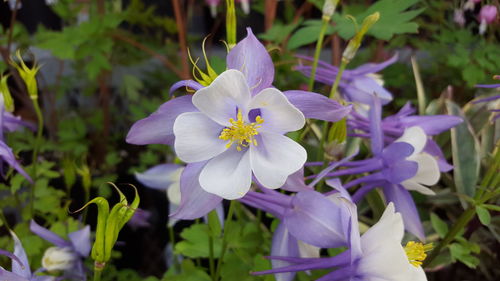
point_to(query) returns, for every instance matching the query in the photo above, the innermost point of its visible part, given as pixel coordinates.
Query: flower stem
(224, 238)
(335, 85)
(36, 150)
(98, 268)
(319, 44)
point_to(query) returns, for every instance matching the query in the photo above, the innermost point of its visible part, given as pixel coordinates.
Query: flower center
(416, 252)
(240, 132)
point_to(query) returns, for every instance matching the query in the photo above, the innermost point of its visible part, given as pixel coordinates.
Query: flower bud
(355, 42)
(28, 75)
(56, 258)
(245, 6)
(329, 8)
(5, 94)
(458, 17)
(488, 14)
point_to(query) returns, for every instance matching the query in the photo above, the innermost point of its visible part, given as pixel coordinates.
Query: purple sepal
(317, 106)
(432, 125)
(491, 86)
(316, 220)
(295, 182)
(284, 244)
(7, 275)
(251, 58)
(7, 155)
(185, 83)
(158, 177)
(157, 128)
(195, 202)
(21, 268)
(433, 149)
(404, 204)
(48, 235)
(396, 151)
(400, 171)
(80, 241)
(377, 135)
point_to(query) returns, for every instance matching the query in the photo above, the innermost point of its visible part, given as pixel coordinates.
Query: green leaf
(131, 86)
(484, 215)
(307, 34)
(279, 32)
(491, 207)
(394, 19)
(439, 225)
(214, 224)
(189, 273)
(463, 254)
(195, 243)
(465, 153)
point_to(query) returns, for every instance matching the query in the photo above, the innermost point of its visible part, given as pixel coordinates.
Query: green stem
(335, 85)
(98, 268)
(319, 44)
(224, 238)
(211, 262)
(171, 236)
(36, 150)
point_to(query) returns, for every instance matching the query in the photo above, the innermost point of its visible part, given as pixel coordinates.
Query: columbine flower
(377, 255)
(20, 265)
(239, 135)
(356, 85)
(248, 60)
(67, 255)
(487, 15)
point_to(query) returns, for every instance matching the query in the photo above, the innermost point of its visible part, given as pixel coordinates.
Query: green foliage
(195, 243)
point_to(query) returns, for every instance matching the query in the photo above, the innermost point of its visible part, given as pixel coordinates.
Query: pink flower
(488, 14)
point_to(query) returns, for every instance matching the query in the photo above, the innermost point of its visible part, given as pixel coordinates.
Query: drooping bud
(5, 93)
(355, 42)
(488, 14)
(245, 6)
(56, 258)
(27, 74)
(329, 8)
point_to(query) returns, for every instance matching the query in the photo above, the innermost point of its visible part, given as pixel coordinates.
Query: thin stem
(36, 150)
(319, 44)
(181, 28)
(211, 262)
(98, 268)
(224, 238)
(335, 86)
(12, 22)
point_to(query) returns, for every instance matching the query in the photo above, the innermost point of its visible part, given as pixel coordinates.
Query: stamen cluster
(416, 252)
(241, 132)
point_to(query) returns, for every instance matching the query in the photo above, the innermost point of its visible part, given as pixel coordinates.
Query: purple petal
(406, 206)
(7, 275)
(195, 202)
(488, 86)
(432, 125)
(250, 57)
(157, 128)
(48, 235)
(158, 177)
(284, 244)
(295, 182)
(377, 135)
(7, 155)
(81, 241)
(139, 219)
(433, 149)
(316, 220)
(185, 83)
(21, 266)
(317, 106)
(401, 171)
(374, 67)
(396, 152)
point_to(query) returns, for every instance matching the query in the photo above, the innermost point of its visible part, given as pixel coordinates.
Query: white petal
(412, 185)
(417, 274)
(279, 114)
(228, 175)
(416, 137)
(307, 250)
(383, 256)
(275, 158)
(197, 137)
(428, 169)
(174, 193)
(220, 100)
(160, 176)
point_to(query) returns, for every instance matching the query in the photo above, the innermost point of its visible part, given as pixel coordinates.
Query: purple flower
(356, 85)
(377, 255)
(67, 255)
(488, 14)
(140, 219)
(250, 99)
(20, 265)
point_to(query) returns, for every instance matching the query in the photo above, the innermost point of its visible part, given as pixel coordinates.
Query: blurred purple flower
(140, 219)
(67, 255)
(20, 265)
(488, 14)
(356, 85)
(493, 100)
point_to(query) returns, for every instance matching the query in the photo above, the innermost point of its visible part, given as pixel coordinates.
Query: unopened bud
(56, 258)
(355, 42)
(28, 75)
(329, 8)
(5, 94)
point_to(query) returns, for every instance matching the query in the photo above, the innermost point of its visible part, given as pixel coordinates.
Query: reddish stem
(181, 28)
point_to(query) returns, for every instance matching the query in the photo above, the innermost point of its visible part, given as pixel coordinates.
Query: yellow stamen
(416, 252)
(240, 132)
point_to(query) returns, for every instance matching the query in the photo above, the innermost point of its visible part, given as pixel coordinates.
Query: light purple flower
(356, 85)
(67, 255)
(488, 13)
(377, 255)
(21, 270)
(251, 70)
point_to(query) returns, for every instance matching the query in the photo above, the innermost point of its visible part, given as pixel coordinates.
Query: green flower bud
(355, 42)
(27, 74)
(5, 92)
(329, 8)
